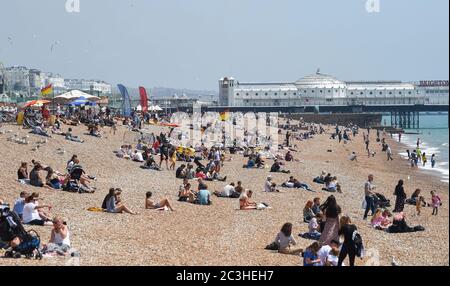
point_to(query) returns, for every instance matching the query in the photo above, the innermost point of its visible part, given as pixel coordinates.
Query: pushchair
(74, 185)
(10, 228)
(381, 202)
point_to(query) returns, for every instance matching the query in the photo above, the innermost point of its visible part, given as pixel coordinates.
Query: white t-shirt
(333, 260)
(30, 212)
(227, 190)
(138, 157)
(313, 225)
(323, 254)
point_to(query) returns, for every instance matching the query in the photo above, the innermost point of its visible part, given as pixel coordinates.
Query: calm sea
(434, 137)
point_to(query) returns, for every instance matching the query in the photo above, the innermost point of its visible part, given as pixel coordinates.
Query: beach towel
(95, 209)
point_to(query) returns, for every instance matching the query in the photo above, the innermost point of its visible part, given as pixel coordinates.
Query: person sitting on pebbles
(186, 194)
(151, 205)
(276, 168)
(113, 204)
(284, 240)
(270, 186)
(59, 242)
(245, 202)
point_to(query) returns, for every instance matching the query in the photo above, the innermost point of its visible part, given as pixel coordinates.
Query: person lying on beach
(399, 225)
(294, 183)
(151, 205)
(73, 138)
(227, 192)
(40, 130)
(33, 213)
(186, 194)
(245, 202)
(214, 176)
(78, 174)
(112, 203)
(19, 204)
(308, 213)
(53, 179)
(276, 168)
(284, 240)
(320, 179)
(270, 186)
(59, 242)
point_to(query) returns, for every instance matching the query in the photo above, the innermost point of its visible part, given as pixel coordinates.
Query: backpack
(273, 246)
(358, 242)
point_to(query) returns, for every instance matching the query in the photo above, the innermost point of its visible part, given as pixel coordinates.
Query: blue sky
(192, 43)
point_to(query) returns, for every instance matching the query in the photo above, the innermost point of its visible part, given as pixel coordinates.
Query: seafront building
(325, 90)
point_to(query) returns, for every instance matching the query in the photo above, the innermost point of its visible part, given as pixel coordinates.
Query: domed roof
(319, 80)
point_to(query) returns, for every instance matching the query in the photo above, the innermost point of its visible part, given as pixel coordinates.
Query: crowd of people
(335, 237)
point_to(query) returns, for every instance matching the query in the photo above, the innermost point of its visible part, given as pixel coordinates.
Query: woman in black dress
(400, 197)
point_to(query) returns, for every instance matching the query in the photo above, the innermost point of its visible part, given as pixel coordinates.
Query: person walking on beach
(389, 154)
(399, 137)
(424, 159)
(433, 160)
(331, 210)
(400, 197)
(370, 196)
(435, 202)
(347, 230)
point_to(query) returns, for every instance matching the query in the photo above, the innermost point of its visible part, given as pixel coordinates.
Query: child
(333, 257)
(433, 160)
(419, 202)
(435, 202)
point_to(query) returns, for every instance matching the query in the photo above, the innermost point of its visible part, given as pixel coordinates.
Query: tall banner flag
(126, 101)
(47, 90)
(144, 99)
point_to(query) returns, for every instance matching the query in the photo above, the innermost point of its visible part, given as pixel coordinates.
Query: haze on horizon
(193, 43)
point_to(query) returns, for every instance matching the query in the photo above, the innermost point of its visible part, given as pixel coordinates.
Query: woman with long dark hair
(284, 240)
(400, 197)
(331, 210)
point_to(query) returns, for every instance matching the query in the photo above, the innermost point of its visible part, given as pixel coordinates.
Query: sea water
(434, 140)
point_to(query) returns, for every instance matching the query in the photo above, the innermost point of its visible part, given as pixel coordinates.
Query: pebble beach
(221, 234)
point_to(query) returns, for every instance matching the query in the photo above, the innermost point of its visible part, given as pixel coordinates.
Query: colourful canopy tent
(38, 102)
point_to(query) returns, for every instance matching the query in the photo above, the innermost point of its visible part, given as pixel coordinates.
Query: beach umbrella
(38, 102)
(82, 101)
